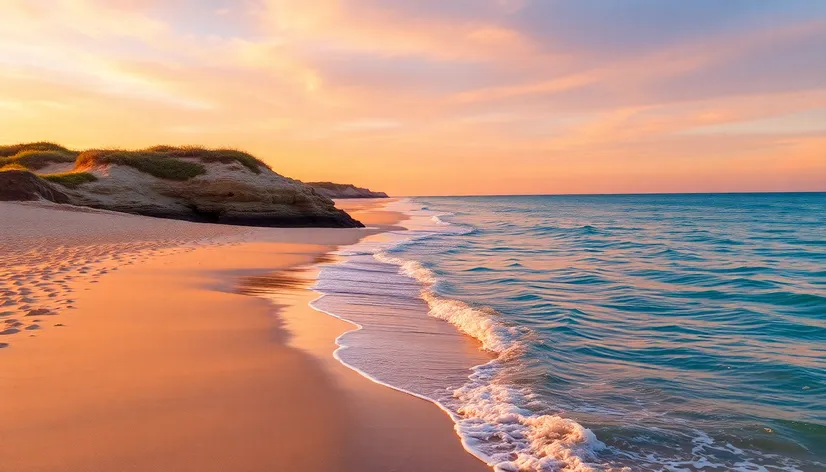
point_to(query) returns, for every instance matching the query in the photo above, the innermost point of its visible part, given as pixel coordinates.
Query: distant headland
(225, 186)
(329, 189)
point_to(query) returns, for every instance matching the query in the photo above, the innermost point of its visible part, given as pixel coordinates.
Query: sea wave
(493, 418)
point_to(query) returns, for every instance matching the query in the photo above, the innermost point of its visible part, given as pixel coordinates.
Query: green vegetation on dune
(70, 179)
(161, 167)
(11, 150)
(162, 148)
(94, 157)
(36, 160)
(153, 163)
(34, 156)
(224, 156)
(165, 162)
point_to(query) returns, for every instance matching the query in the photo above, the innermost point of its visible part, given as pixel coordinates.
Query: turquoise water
(645, 332)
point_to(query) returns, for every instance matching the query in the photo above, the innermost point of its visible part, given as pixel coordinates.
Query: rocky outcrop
(225, 193)
(24, 186)
(331, 190)
(228, 187)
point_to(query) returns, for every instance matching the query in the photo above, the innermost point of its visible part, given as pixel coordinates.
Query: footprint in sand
(9, 331)
(4, 345)
(41, 312)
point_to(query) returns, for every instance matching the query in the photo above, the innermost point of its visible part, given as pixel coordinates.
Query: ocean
(601, 333)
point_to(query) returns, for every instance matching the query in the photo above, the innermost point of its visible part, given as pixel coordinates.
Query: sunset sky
(431, 97)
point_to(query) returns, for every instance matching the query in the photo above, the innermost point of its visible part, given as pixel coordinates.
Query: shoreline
(357, 327)
(474, 355)
(187, 375)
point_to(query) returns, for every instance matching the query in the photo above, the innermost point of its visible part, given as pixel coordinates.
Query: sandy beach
(137, 344)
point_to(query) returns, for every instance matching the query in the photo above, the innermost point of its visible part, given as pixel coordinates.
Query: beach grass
(32, 159)
(156, 164)
(70, 179)
(224, 156)
(166, 162)
(13, 149)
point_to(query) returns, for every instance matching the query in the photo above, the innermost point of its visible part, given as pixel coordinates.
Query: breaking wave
(490, 417)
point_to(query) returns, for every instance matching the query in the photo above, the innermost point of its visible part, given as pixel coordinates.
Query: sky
(437, 97)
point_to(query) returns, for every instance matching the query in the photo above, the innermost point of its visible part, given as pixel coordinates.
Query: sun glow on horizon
(434, 97)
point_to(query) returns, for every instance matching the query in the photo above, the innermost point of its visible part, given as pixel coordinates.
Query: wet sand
(165, 363)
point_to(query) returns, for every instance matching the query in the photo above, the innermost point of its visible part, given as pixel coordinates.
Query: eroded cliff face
(334, 190)
(23, 186)
(227, 193)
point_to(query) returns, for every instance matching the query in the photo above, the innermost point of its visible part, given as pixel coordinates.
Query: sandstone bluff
(329, 189)
(188, 183)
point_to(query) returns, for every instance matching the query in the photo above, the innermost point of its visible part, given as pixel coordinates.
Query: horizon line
(782, 192)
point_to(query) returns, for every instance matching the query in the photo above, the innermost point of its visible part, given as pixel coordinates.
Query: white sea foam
(513, 438)
(439, 221)
(478, 323)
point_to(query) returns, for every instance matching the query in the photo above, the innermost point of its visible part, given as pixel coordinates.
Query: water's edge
(340, 347)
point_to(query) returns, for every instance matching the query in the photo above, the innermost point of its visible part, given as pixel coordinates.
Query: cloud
(554, 88)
